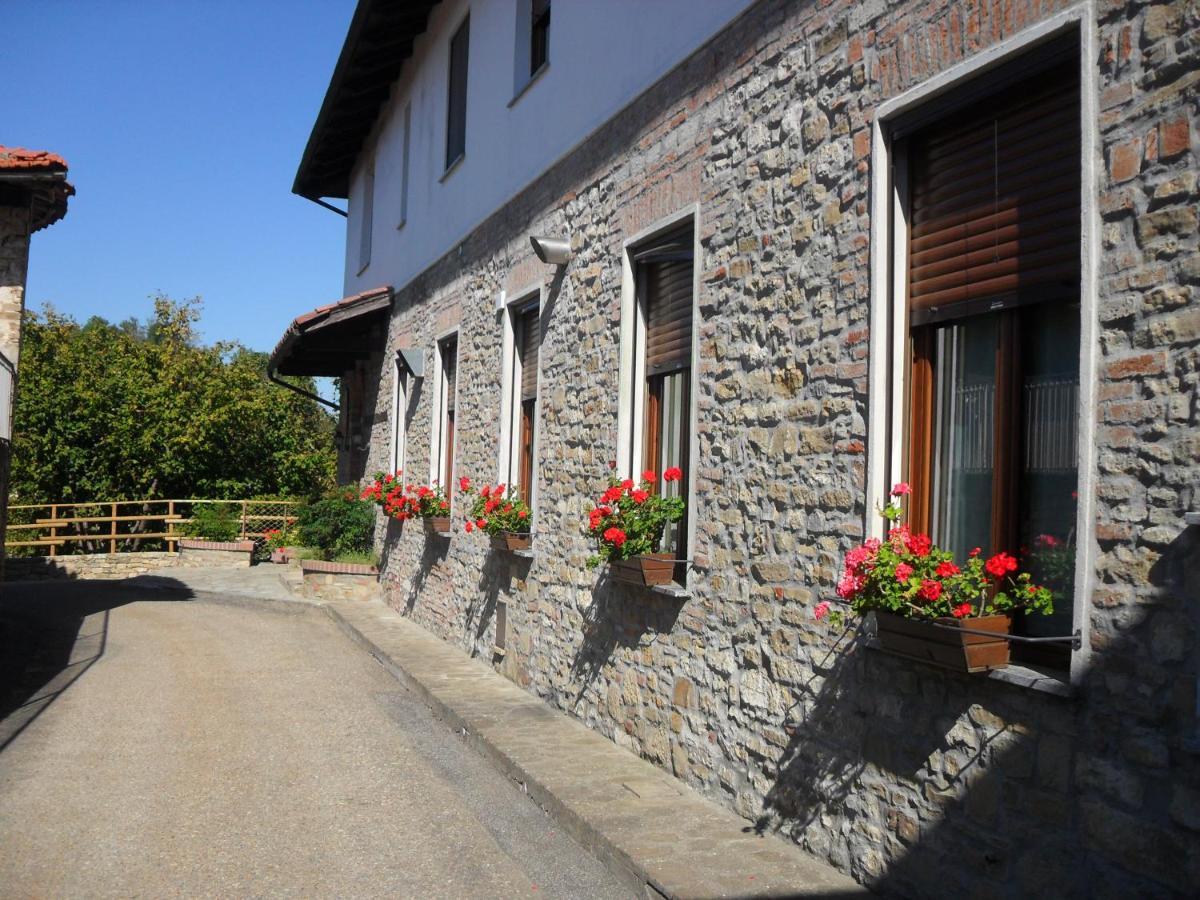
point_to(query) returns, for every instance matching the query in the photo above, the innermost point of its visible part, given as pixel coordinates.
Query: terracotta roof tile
(20, 158)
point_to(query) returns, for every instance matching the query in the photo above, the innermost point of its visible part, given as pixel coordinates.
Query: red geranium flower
(464, 483)
(673, 474)
(930, 590)
(627, 484)
(614, 536)
(961, 611)
(481, 523)
(903, 572)
(946, 570)
(919, 544)
(1000, 565)
(522, 515)
(485, 491)
(639, 496)
(649, 475)
(901, 489)
(470, 526)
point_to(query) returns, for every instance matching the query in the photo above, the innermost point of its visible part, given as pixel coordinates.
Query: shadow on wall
(620, 615)
(983, 788)
(496, 577)
(52, 632)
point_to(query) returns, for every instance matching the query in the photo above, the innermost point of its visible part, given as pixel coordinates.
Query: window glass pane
(1049, 455)
(456, 126)
(539, 42)
(964, 425)
(673, 428)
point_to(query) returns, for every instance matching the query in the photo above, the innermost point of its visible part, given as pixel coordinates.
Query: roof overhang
(379, 41)
(36, 179)
(331, 339)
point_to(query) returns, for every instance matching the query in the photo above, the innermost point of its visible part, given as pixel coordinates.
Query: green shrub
(213, 522)
(337, 524)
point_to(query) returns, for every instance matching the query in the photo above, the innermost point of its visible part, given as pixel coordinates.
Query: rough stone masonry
(915, 780)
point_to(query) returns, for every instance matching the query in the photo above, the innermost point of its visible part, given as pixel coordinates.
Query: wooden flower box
(437, 525)
(948, 647)
(646, 571)
(510, 540)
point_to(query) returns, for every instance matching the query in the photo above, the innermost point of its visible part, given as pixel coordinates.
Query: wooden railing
(124, 525)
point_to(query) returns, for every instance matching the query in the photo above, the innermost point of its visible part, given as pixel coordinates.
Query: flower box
(437, 525)
(949, 647)
(280, 555)
(510, 540)
(645, 571)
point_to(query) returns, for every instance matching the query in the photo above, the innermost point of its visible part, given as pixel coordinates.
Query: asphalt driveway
(165, 744)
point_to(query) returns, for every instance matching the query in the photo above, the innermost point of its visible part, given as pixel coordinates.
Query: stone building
(33, 194)
(949, 243)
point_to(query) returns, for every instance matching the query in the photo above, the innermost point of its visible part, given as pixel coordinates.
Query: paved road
(190, 748)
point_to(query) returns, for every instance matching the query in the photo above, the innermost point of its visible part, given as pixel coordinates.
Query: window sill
(362, 268)
(1191, 518)
(672, 589)
(401, 224)
(1043, 681)
(450, 169)
(529, 83)
(523, 554)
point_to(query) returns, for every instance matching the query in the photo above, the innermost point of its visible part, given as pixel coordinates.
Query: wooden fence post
(53, 528)
(245, 507)
(170, 526)
(112, 544)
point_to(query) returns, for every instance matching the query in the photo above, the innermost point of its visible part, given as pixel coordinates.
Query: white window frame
(399, 413)
(889, 348)
(510, 405)
(366, 219)
(405, 154)
(437, 449)
(631, 399)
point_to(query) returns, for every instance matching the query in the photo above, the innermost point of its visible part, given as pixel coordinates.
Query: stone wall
(193, 554)
(919, 781)
(14, 264)
(338, 581)
(87, 565)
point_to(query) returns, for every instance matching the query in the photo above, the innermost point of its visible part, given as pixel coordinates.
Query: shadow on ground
(51, 632)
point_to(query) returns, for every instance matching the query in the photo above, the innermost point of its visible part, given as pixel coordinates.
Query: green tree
(129, 411)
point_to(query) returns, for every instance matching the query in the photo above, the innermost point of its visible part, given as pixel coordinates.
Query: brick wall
(918, 781)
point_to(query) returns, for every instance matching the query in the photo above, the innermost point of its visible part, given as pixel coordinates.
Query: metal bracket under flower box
(1075, 639)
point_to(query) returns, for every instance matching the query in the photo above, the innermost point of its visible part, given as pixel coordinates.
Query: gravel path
(190, 748)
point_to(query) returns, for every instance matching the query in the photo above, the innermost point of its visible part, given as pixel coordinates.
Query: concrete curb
(783, 870)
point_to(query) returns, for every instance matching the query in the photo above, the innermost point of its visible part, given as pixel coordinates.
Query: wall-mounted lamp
(552, 251)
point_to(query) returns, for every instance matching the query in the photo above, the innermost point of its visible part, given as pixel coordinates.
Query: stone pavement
(653, 831)
(164, 744)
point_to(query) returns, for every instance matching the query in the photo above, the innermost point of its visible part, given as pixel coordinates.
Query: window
(659, 369)
(539, 36)
(993, 282)
(518, 434)
(366, 219)
(399, 412)
(404, 166)
(443, 459)
(456, 123)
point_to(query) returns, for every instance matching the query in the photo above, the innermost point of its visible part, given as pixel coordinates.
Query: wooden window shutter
(668, 287)
(529, 338)
(995, 201)
(450, 367)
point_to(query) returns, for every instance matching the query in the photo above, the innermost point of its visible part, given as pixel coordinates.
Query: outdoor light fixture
(553, 251)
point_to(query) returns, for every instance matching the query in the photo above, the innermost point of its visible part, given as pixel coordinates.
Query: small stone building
(827, 247)
(33, 194)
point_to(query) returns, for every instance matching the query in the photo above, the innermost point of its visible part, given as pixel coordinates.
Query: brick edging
(337, 568)
(196, 544)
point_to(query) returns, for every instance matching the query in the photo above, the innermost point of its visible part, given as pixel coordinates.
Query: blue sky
(182, 123)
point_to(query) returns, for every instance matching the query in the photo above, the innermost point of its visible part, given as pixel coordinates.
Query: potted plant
(382, 486)
(928, 607)
(500, 512)
(279, 542)
(627, 523)
(409, 501)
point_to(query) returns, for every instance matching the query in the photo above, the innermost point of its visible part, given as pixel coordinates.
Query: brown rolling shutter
(668, 286)
(995, 200)
(528, 337)
(450, 367)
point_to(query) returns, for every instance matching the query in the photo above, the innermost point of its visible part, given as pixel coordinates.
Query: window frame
(890, 361)
(464, 28)
(400, 395)
(439, 432)
(509, 457)
(366, 218)
(632, 395)
(524, 74)
(405, 154)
